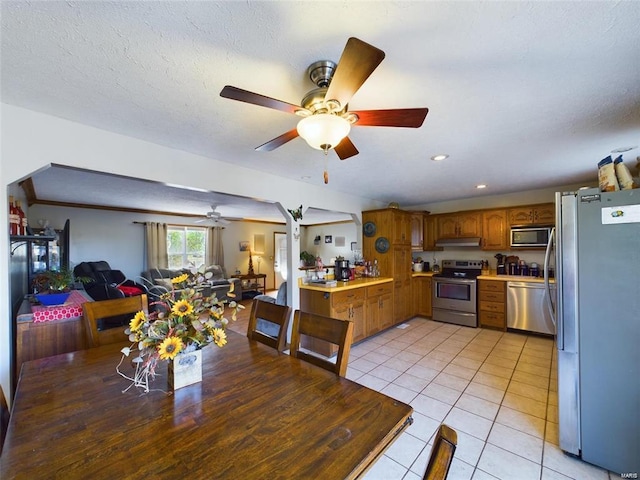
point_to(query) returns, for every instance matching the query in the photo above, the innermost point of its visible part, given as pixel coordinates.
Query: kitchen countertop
(422, 274)
(351, 284)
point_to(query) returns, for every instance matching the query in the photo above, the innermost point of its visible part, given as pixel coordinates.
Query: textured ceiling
(522, 95)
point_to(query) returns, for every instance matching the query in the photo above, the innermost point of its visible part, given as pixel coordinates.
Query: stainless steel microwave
(529, 237)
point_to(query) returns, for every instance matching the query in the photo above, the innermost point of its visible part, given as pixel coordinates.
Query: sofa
(158, 281)
(105, 283)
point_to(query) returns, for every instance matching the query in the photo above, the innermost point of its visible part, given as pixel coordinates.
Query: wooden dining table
(256, 414)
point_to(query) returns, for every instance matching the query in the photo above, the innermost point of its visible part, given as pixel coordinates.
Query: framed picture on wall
(328, 239)
(244, 246)
(339, 241)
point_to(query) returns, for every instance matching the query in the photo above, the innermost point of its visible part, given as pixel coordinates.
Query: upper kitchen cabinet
(401, 227)
(460, 225)
(495, 229)
(430, 233)
(417, 231)
(542, 214)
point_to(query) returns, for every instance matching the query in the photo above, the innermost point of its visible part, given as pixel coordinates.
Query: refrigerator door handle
(547, 284)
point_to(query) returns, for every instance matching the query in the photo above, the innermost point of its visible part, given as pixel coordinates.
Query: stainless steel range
(455, 292)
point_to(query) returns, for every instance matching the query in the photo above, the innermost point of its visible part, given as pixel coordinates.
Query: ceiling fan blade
(401, 117)
(235, 93)
(346, 149)
(278, 141)
(358, 61)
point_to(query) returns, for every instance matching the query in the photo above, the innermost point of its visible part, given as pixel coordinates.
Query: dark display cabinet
(44, 252)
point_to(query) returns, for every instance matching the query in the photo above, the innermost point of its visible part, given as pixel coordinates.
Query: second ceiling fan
(326, 119)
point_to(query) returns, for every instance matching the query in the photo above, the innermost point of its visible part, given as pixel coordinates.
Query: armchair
(106, 283)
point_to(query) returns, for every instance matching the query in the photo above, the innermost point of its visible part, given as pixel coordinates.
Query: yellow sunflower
(180, 278)
(169, 348)
(137, 321)
(182, 308)
(220, 337)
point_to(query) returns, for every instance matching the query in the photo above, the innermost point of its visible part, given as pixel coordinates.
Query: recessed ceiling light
(482, 185)
(305, 177)
(623, 149)
(438, 158)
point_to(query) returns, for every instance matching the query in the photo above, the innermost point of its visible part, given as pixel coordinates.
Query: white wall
(328, 251)
(31, 141)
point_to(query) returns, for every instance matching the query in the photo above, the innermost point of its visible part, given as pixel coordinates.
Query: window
(186, 246)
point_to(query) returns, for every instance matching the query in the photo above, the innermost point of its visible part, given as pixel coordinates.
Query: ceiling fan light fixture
(323, 131)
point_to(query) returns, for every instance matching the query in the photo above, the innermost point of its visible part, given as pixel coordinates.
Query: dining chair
(96, 313)
(332, 330)
(268, 323)
(441, 455)
(4, 418)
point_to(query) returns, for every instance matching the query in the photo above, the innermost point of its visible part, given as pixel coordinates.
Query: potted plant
(307, 259)
(53, 286)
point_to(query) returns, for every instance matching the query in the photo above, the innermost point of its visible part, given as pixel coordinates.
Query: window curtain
(215, 253)
(156, 240)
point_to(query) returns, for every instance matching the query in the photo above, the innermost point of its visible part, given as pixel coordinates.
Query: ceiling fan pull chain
(326, 168)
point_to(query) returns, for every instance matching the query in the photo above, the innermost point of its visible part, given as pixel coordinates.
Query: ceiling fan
(326, 118)
(214, 217)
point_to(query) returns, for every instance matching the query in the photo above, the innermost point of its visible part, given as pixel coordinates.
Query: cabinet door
(416, 294)
(545, 214)
(401, 228)
(494, 230)
(427, 302)
(358, 319)
(385, 313)
(521, 216)
(470, 225)
(430, 233)
(417, 231)
(422, 291)
(373, 323)
(447, 226)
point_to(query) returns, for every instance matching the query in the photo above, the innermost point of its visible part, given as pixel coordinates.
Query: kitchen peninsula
(367, 302)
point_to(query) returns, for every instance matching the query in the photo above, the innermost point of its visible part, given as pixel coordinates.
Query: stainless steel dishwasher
(526, 307)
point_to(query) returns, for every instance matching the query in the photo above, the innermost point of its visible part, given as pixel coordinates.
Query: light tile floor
(497, 390)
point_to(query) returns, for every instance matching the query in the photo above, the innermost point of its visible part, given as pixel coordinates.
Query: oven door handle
(460, 281)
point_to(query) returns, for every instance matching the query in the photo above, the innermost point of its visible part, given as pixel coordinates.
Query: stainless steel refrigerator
(597, 311)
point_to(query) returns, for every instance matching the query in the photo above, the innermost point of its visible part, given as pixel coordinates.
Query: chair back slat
(444, 446)
(332, 330)
(93, 312)
(271, 312)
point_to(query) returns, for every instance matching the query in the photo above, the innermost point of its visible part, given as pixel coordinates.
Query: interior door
(279, 258)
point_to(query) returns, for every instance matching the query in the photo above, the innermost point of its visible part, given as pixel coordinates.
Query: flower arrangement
(184, 320)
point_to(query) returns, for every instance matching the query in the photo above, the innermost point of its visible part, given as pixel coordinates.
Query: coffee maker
(501, 269)
(342, 270)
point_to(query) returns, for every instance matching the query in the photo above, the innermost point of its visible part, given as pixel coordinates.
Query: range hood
(458, 242)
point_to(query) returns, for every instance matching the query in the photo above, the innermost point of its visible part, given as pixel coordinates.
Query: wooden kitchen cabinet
(379, 308)
(395, 225)
(492, 304)
(430, 233)
(422, 293)
(402, 284)
(460, 225)
(417, 231)
(401, 227)
(542, 214)
(495, 230)
(344, 305)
